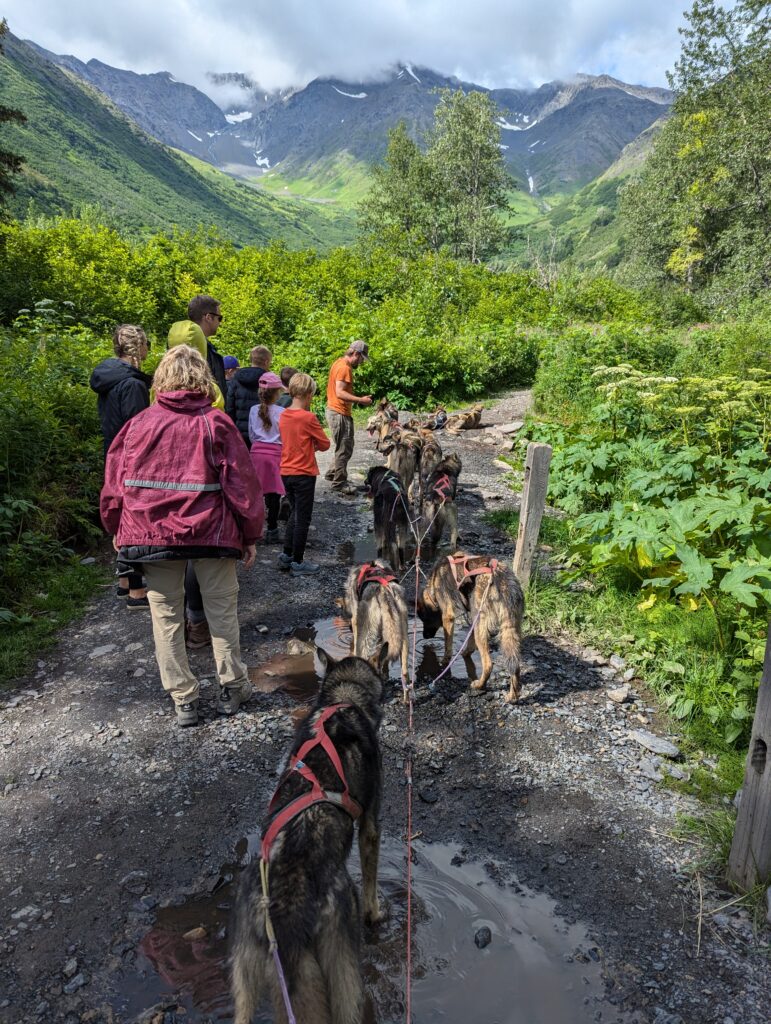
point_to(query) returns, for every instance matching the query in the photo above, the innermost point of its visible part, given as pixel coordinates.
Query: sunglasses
(218, 316)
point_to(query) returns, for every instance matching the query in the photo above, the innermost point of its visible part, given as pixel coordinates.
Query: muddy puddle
(537, 969)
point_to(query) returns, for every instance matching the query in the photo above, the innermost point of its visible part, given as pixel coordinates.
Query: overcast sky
(289, 42)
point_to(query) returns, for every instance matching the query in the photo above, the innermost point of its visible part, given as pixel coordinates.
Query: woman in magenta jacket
(179, 486)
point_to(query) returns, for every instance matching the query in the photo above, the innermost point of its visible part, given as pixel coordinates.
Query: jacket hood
(249, 376)
(183, 401)
(186, 332)
(111, 372)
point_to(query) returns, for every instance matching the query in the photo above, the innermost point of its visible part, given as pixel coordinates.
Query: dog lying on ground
(314, 906)
(430, 457)
(469, 419)
(378, 611)
(488, 593)
(391, 511)
(402, 448)
(438, 509)
(385, 412)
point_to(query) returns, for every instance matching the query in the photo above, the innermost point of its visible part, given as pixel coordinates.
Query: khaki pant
(342, 437)
(219, 590)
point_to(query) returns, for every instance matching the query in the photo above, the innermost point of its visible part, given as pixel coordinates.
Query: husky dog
(378, 611)
(391, 509)
(430, 457)
(488, 593)
(469, 419)
(402, 448)
(385, 412)
(438, 509)
(313, 904)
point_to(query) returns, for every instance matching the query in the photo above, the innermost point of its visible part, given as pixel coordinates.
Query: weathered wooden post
(750, 859)
(534, 489)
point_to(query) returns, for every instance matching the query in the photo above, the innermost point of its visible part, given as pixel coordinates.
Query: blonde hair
(183, 369)
(127, 340)
(267, 397)
(302, 384)
(260, 355)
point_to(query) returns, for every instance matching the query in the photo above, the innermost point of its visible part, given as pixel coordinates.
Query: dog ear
(327, 661)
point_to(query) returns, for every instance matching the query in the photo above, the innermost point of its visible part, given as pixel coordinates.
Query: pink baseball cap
(270, 380)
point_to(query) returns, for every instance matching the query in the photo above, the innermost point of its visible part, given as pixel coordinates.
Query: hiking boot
(272, 536)
(284, 561)
(197, 634)
(304, 568)
(137, 604)
(187, 714)
(345, 489)
(232, 697)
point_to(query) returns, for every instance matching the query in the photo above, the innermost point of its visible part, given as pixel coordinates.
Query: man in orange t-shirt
(340, 398)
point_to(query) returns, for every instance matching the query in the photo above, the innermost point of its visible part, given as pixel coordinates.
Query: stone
(70, 968)
(99, 652)
(134, 882)
(678, 773)
(29, 913)
(195, 934)
(428, 796)
(500, 464)
(510, 428)
(617, 662)
(262, 628)
(88, 561)
(650, 770)
(620, 694)
(483, 937)
(656, 744)
(297, 648)
(77, 982)
(629, 675)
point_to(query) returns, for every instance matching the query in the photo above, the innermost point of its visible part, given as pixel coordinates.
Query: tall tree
(452, 194)
(10, 163)
(400, 208)
(700, 211)
(465, 153)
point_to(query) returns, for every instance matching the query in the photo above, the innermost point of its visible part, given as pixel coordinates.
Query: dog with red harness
(486, 594)
(296, 917)
(438, 511)
(379, 621)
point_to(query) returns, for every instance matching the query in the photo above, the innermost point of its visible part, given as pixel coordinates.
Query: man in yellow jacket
(186, 332)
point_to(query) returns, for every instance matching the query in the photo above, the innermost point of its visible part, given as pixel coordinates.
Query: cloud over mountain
(494, 42)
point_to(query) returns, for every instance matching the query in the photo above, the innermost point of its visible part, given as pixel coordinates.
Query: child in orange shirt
(301, 437)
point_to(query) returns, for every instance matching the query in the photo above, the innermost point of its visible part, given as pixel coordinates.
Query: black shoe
(137, 603)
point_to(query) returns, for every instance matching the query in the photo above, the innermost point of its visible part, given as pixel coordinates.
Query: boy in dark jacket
(123, 392)
(243, 390)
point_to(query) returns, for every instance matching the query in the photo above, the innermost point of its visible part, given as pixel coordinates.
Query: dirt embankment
(114, 822)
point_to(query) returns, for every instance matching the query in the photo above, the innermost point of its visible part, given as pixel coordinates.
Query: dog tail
(510, 636)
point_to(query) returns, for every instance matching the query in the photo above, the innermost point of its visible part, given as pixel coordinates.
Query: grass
(61, 596)
(340, 180)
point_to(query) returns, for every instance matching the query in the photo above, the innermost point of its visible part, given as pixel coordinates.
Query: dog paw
(477, 684)
(374, 915)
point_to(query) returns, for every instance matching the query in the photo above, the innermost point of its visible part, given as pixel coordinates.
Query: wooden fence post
(534, 489)
(750, 859)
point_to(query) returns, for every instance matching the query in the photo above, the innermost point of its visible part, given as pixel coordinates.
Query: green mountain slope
(585, 229)
(79, 149)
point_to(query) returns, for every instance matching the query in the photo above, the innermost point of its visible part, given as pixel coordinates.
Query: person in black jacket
(123, 391)
(205, 311)
(243, 390)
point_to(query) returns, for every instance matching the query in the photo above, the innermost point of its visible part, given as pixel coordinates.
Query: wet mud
(536, 969)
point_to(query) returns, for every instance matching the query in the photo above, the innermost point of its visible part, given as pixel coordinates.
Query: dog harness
(317, 794)
(461, 572)
(442, 487)
(371, 573)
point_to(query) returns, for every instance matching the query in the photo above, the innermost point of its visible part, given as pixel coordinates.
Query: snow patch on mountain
(408, 69)
(196, 137)
(245, 115)
(351, 95)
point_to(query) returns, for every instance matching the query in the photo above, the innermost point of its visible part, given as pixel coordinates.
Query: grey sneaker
(284, 561)
(304, 568)
(187, 714)
(231, 698)
(271, 536)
